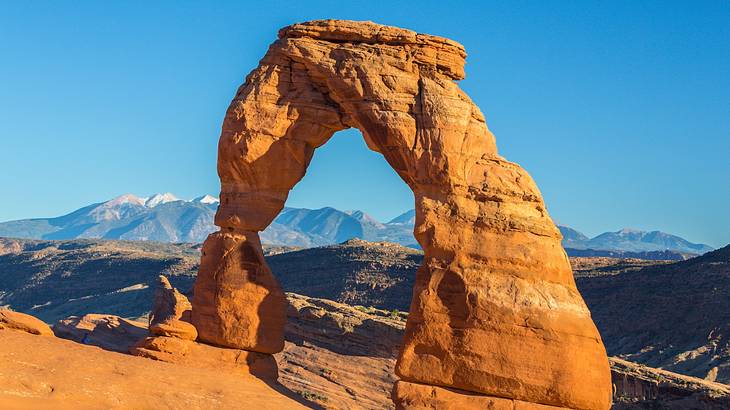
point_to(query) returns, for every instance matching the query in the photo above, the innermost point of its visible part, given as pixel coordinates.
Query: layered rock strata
(495, 308)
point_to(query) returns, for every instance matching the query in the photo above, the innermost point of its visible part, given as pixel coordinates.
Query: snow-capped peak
(207, 199)
(406, 218)
(158, 199)
(363, 217)
(628, 231)
(126, 199)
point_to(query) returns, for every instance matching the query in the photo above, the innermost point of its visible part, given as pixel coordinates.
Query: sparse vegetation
(312, 396)
(394, 314)
(362, 309)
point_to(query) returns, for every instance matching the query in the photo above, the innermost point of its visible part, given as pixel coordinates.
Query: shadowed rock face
(495, 307)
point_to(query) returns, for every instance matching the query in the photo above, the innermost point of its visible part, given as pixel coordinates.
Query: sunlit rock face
(495, 308)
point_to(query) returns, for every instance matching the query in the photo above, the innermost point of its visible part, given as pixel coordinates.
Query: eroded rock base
(187, 352)
(237, 302)
(412, 396)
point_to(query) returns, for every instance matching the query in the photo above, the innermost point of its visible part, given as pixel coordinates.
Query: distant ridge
(166, 218)
(631, 240)
(665, 255)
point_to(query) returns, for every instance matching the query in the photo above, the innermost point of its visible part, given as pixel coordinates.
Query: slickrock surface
(25, 323)
(170, 314)
(106, 331)
(124, 336)
(51, 373)
(496, 309)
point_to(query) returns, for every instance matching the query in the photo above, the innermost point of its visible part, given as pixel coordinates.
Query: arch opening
(348, 192)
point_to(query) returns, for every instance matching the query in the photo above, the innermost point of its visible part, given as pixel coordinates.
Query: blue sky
(620, 110)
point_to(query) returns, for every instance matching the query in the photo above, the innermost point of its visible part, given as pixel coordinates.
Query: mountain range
(161, 218)
(166, 218)
(631, 240)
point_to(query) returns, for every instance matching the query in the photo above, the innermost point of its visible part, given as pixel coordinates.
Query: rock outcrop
(170, 314)
(641, 387)
(26, 323)
(109, 332)
(495, 309)
(187, 352)
(342, 328)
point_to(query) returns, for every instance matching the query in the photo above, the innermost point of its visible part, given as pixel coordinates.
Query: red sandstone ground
(336, 357)
(49, 373)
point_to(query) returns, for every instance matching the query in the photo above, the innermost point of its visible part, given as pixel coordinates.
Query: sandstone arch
(495, 308)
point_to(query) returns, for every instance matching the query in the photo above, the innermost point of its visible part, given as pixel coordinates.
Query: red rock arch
(495, 307)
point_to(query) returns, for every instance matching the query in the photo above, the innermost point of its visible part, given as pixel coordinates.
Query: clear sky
(620, 110)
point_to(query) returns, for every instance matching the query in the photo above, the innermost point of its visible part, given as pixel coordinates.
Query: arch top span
(394, 85)
(495, 309)
(440, 53)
